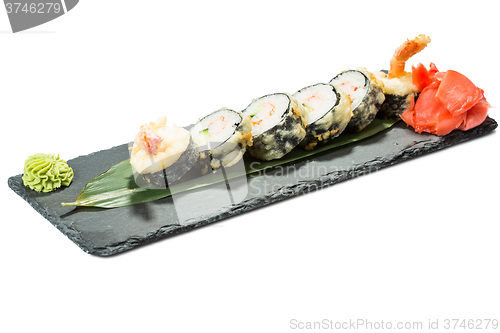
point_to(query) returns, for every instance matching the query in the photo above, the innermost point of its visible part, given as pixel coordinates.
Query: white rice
(266, 112)
(215, 128)
(353, 83)
(317, 100)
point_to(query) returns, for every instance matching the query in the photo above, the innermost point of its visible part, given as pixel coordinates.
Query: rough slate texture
(105, 232)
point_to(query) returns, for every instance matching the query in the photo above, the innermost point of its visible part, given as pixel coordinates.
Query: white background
(413, 242)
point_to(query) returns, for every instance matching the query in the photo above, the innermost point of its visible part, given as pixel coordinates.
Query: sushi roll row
(273, 125)
(269, 128)
(314, 115)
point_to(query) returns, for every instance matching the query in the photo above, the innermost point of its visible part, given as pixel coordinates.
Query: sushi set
(173, 179)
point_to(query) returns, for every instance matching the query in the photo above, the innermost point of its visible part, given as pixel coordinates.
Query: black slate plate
(105, 232)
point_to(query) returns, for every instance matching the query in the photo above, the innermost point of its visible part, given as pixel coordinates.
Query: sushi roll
(162, 153)
(366, 95)
(328, 111)
(399, 94)
(222, 138)
(278, 125)
(399, 89)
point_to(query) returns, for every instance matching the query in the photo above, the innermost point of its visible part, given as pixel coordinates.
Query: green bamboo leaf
(116, 186)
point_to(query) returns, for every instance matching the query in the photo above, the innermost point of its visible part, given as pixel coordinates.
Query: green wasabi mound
(46, 172)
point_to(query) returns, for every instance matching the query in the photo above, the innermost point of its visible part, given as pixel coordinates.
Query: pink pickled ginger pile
(448, 101)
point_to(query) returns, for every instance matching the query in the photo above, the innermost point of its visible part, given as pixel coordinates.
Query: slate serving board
(105, 232)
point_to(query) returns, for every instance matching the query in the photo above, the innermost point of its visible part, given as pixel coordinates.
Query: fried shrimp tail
(405, 52)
